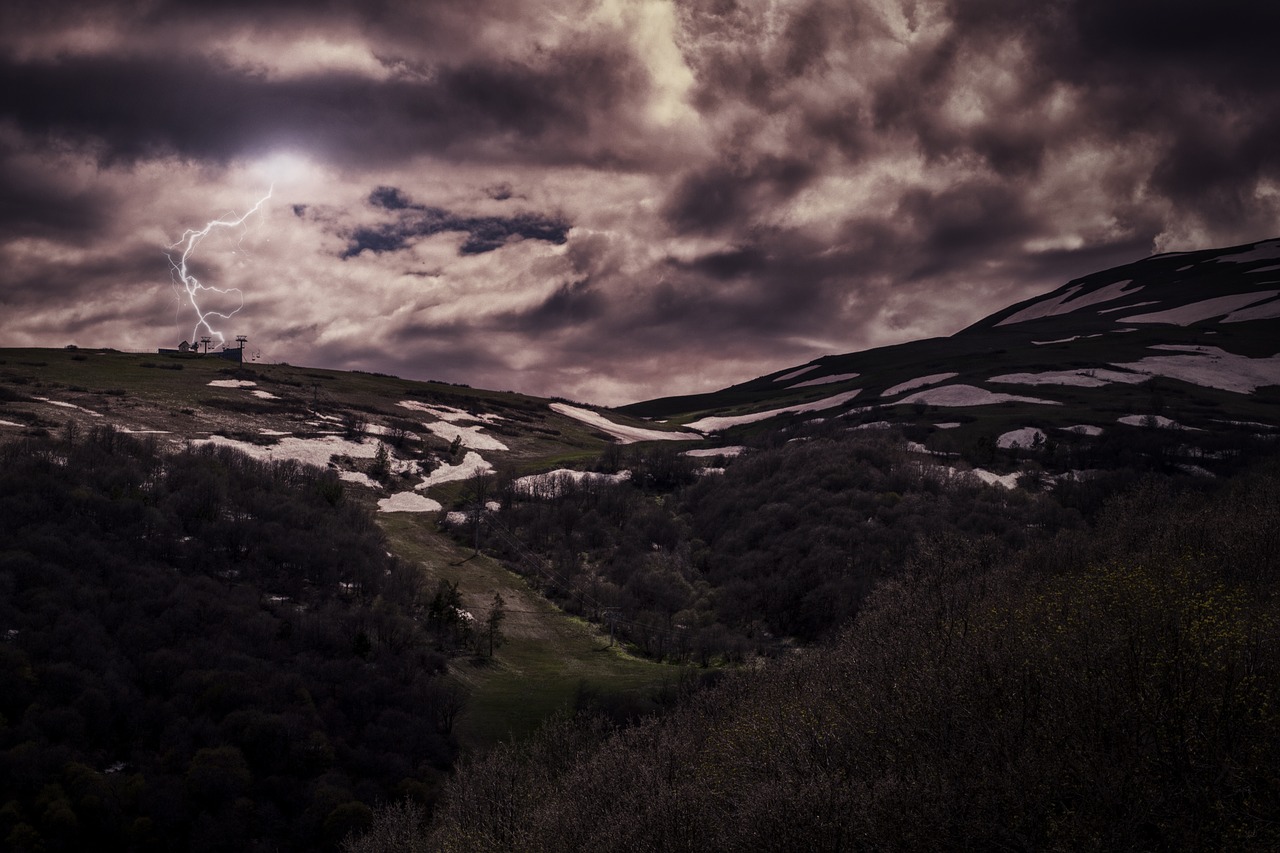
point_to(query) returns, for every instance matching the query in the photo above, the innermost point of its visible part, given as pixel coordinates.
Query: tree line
(201, 651)
(1112, 686)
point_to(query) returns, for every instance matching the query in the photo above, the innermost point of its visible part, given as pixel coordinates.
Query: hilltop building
(235, 353)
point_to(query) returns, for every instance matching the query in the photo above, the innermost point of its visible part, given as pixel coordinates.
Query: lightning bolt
(194, 289)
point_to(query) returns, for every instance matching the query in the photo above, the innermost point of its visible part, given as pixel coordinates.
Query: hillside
(338, 420)
(1189, 342)
(541, 555)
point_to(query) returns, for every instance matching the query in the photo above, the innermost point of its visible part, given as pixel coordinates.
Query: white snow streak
(713, 452)
(719, 422)
(623, 433)
(1261, 311)
(968, 395)
(1064, 304)
(1082, 378)
(825, 380)
(1212, 367)
(63, 405)
(1205, 309)
(793, 374)
(919, 382)
(1155, 420)
(472, 437)
(409, 502)
(1024, 438)
(473, 463)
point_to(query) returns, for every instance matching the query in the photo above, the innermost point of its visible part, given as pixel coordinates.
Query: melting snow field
(447, 413)
(1205, 309)
(9, 423)
(1212, 367)
(359, 478)
(968, 395)
(719, 422)
(231, 383)
(1263, 251)
(712, 452)
(1024, 438)
(1129, 307)
(1158, 420)
(623, 433)
(1064, 304)
(264, 395)
(786, 377)
(1079, 378)
(473, 463)
(409, 502)
(1262, 311)
(472, 437)
(311, 451)
(1009, 481)
(825, 380)
(1084, 429)
(63, 405)
(550, 483)
(919, 382)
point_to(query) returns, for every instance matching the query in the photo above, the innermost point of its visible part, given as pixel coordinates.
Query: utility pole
(611, 615)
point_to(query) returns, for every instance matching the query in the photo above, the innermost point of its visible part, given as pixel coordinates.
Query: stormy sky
(612, 200)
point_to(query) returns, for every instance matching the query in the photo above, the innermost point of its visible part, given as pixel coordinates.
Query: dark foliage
(1114, 689)
(200, 651)
(785, 543)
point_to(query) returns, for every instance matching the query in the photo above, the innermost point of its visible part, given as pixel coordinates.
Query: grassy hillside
(550, 659)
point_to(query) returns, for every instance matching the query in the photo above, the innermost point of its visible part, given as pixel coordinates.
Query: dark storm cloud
(1198, 78)
(131, 108)
(758, 182)
(708, 200)
(34, 204)
(415, 221)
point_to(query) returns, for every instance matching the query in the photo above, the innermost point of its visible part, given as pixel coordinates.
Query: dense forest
(779, 545)
(200, 651)
(204, 652)
(1110, 687)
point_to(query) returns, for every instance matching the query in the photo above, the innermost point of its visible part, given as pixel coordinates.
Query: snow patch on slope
(447, 413)
(968, 395)
(1261, 311)
(1264, 251)
(1212, 367)
(63, 405)
(623, 433)
(471, 435)
(1065, 303)
(1024, 438)
(786, 377)
(919, 382)
(1082, 378)
(310, 451)
(473, 463)
(1205, 309)
(551, 481)
(1154, 420)
(825, 380)
(408, 502)
(719, 422)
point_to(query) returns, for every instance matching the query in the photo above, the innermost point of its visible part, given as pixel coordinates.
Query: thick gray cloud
(614, 199)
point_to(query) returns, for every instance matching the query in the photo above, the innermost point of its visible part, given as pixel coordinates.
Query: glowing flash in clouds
(192, 286)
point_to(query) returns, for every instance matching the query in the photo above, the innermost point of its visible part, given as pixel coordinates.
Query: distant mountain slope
(1184, 340)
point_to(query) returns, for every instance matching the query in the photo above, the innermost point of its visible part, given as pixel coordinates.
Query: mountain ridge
(1202, 322)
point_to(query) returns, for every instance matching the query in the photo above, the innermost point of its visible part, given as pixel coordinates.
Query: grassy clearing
(549, 656)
